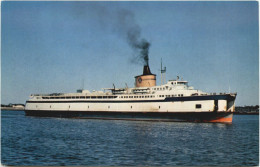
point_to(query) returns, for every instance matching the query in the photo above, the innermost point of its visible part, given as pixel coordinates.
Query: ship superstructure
(172, 101)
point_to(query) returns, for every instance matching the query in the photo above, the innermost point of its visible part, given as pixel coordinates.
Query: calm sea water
(58, 141)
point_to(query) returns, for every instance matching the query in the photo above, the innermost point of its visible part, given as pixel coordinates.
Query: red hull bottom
(222, 120)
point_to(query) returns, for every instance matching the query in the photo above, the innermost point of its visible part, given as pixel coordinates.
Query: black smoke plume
(131, 31)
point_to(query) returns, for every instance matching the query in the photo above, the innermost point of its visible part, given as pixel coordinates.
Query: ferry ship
(171, 101)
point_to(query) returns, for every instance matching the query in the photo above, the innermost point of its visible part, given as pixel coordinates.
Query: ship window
(104, 97)
(77, 97)
(159, 106)
(172, 83)
(73, 97)
(108, 106)
(82, 97)
(135, 96)
(162, 95)
(87, 97)
(131, 97)
(93, 97)
(157, 88)
(62, 97)
(99, 97)
(142, 96)
(131, 107)
(198, 105)
(163, 88)
(166, 87)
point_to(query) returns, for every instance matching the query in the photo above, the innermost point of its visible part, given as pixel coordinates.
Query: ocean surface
(58, 141)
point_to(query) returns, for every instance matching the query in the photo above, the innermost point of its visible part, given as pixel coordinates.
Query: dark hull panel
(221, 117)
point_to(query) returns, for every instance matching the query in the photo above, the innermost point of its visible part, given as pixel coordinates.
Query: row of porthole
(79, 97)
(108, 106)
(151, 96)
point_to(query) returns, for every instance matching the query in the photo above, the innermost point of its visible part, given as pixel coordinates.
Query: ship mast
(163, 71)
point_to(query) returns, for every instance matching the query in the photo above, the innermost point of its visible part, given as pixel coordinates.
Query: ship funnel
(147, 79)
(146, 70)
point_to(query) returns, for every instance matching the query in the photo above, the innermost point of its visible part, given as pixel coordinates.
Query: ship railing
(221, 93)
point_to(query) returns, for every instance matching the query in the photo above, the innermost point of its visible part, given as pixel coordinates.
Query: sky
(52, 47)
